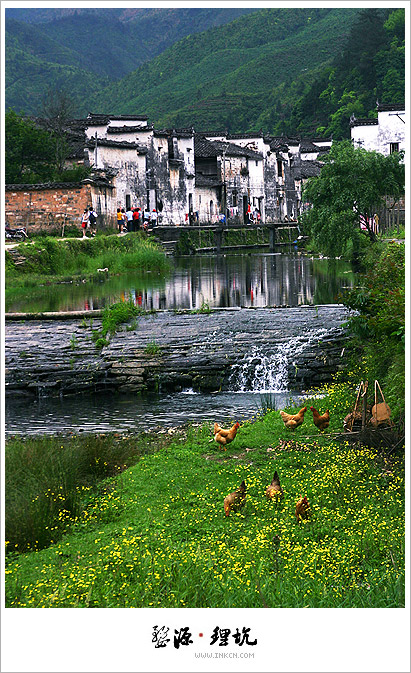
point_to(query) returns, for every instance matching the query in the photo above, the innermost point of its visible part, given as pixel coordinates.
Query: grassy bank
(155, 535)
(48, 260)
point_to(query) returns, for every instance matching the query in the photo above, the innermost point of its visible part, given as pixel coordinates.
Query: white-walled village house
(192, 177)
(385, 134)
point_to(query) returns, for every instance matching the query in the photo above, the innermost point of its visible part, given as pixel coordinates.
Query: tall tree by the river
(351, 186)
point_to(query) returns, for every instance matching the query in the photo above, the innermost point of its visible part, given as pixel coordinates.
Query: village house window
(394, 147)
(280, 168)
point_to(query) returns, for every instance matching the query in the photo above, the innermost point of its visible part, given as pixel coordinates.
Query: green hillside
(82, 50)
(371, 67)
(224, 76)
(36, 62)
(278, 70)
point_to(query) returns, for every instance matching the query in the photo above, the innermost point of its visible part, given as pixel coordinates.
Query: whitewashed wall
(390, 129)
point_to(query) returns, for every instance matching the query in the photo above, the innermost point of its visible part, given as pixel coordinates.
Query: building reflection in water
(248, 280)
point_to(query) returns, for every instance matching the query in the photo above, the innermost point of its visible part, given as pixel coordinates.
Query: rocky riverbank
(168, 351)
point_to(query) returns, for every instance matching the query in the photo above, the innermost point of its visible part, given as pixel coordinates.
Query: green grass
(152, 348)
(50, 260)
(156, 534)
(113, 316)
(48, 477)
(204, 308)
(394, 232)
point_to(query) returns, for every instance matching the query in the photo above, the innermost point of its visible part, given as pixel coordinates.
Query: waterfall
(266, 371)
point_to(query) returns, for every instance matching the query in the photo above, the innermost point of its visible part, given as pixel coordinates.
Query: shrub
(378, 328)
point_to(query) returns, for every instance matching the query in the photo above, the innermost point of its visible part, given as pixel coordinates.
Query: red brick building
(46, 206)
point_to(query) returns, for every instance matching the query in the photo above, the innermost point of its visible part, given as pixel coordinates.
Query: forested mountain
(82, 50)
(371, 67)
(225, 77)
(280, 70)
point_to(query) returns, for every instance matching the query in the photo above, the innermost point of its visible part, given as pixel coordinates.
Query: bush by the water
(378, 327)
(113, 316)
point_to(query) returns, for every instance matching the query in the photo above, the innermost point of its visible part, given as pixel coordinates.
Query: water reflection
(248, 280)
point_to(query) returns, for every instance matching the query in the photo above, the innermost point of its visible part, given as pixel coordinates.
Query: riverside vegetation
(50, 261)
(113, 521)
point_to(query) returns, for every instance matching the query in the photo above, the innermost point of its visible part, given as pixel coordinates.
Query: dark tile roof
(308, 169)
(42, 186)
(99, 181)
(126, 129)
(389, 107)
(292, 140)
(212, 134)
(75, 148)
(363, 122)
(278, 143)
(141, 118)
(307, 146)
(178, 133)
(233, 150)
(204, 148)
(207, 181)
(258, 134)
(323, 151)
(97, 120)
(122, 144)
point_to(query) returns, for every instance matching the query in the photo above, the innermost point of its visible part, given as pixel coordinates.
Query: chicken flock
(235, 501)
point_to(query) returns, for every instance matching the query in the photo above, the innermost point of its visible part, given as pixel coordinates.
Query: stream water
(255, 279)
(247, 280)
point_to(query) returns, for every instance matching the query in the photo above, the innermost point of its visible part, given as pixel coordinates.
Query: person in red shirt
(136, 219)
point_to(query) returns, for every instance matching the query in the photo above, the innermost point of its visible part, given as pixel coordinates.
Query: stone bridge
(167, 234)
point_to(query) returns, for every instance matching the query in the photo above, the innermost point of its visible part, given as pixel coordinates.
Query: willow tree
(352, 186)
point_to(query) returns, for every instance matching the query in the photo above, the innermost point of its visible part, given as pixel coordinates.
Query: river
(253, 279)
(249, 280)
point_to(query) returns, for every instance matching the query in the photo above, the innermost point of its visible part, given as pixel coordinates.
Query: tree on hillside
(371, 66)
(57, 111)
(351, 186)
(27, 150)
(31, 151)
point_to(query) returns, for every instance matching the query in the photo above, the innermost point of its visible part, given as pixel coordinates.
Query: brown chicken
(274, 490)
(302, 509)
(224, 437)
(322, 422)
(292, 421)
(235, 500)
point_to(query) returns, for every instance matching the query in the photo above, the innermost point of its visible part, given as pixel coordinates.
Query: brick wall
(45, 208)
